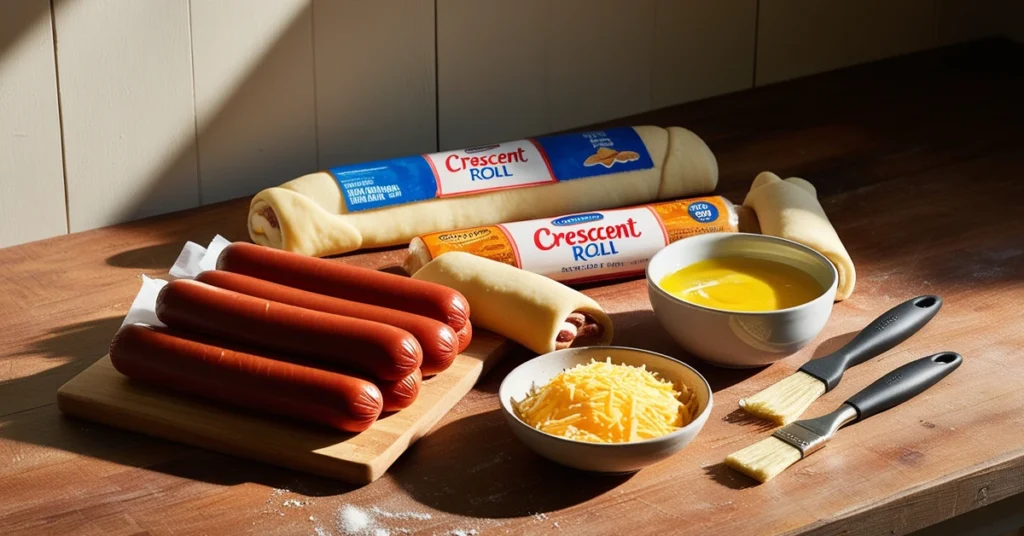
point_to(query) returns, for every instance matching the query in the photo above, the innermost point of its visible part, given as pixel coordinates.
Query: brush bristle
(785, 401)
(764, 459)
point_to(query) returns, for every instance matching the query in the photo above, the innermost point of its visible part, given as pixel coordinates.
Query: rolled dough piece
(523, 306)
(308, 215)
(790, 209)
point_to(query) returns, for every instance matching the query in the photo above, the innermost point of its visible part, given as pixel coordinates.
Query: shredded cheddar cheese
(601, 402)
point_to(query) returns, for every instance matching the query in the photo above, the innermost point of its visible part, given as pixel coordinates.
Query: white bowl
(740, 339)
(602, 457)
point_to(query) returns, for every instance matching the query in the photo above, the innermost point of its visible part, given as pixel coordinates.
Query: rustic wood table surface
(919, 162)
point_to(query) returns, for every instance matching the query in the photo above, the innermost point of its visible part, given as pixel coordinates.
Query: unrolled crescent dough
(308, 214)
(523, 306)
(790, 209)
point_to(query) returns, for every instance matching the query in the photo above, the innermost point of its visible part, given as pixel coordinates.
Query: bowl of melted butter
(741, 300)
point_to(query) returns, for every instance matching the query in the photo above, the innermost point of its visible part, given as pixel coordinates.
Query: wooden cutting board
(103, 395)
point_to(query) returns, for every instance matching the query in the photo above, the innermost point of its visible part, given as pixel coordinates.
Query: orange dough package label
(584, 247)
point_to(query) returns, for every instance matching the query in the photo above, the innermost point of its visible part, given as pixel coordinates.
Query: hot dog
(169, 358)
(465, 335)
(384, 352)
(347, 282)
(402, 393)
(576, 327)
(439, 341)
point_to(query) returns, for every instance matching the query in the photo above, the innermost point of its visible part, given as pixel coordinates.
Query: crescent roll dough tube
(590, 246)
(535, 311)
(790, 209)
(389, 202)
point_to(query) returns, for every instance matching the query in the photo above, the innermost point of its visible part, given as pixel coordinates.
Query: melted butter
(742, 284)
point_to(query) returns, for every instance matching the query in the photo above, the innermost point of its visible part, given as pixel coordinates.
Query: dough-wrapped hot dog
(389, 202)
(346, 282)
(187, 363)
(382, 351)
(438, 340)
(535, 311)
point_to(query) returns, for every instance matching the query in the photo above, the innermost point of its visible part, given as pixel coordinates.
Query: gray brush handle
(891, 328)
(903, 384)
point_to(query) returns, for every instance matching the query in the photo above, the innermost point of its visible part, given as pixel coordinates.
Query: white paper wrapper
(209, 261)
(143, 309)
(192, 260)
(187, 264)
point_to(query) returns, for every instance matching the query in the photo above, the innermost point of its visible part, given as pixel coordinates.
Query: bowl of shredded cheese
(606, 409)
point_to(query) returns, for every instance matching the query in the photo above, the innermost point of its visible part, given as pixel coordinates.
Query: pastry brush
(789, 444)
(785, 401)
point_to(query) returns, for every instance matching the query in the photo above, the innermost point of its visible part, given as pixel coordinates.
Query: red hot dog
(347, 282)
(438, 340)
(384, 352)
(402, 393)
(465, 335)
(171, 359)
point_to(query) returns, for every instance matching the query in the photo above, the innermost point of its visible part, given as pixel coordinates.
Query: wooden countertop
(920, 165)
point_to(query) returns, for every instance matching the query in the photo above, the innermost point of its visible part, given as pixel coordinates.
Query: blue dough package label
(488, 168)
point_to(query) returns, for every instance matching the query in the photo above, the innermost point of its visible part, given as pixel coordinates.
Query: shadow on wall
(263, 132)
(254, 160)
(20, 16)
(240, 144)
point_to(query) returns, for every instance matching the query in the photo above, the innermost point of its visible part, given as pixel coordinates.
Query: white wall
(255, 110)
(125, 86)
(556, 65)
(31, 170)
(113, 110)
